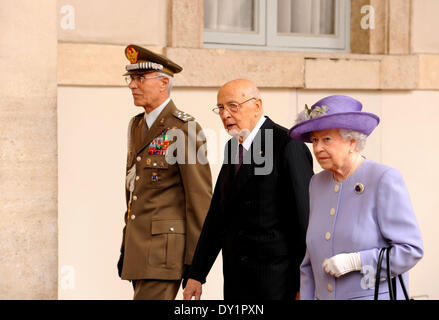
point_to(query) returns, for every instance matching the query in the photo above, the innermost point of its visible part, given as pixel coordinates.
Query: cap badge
(359, 188)
(132, 54)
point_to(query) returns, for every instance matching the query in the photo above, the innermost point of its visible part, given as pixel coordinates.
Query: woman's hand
(343, 263)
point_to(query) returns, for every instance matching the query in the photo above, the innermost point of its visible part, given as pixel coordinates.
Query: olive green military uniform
(166, 203)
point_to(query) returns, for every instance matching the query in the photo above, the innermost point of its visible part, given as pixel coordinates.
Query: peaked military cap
(143, 60)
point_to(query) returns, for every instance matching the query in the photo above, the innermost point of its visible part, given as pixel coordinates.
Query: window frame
(257, 38)
(338, 42)
(267, 38)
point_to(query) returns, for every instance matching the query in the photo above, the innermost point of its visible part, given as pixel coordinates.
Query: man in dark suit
(259, 211)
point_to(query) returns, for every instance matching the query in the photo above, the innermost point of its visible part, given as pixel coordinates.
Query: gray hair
(171, 80)
(349, 135)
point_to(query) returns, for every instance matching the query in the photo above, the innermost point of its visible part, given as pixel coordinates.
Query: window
(299, 25)
(234, 21)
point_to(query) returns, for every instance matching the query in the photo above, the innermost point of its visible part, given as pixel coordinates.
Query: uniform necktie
(241, 156)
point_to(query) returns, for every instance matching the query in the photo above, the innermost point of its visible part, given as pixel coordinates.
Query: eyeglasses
(139, 79)
(233, 107)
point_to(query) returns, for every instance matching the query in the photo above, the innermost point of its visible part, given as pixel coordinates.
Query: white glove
(342, 263)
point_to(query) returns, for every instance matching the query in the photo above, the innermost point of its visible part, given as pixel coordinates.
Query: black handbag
(390, 281)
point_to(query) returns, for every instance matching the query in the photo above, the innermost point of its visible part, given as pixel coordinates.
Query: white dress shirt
(151, 117)
(249, 140)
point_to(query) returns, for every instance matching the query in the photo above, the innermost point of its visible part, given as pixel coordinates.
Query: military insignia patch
(183, 116)
(132, 54)
(159, 145)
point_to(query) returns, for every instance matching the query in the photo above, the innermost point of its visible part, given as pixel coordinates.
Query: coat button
(134, 198)
(138, 159)
(332, 212)
(137, 178)
(337, 188)
(328, 235)
(133, 217)
(330, 288)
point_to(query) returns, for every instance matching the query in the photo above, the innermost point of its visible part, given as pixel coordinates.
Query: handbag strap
(404, 290)
(377, 276)
(390, 282)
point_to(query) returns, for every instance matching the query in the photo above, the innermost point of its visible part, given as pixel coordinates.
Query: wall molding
(103, 65)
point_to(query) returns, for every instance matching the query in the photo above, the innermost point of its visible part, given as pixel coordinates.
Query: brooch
(359, 188)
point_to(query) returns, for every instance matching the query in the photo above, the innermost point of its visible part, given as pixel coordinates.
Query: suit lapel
(247, 171)
(228, 173)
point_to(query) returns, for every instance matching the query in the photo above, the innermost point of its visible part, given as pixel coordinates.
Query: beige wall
(28, 155)
(409, 145)
(424, 26)
(92, 146)
(113, 22)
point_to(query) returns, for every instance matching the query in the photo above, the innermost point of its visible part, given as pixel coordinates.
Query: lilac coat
(380, 216)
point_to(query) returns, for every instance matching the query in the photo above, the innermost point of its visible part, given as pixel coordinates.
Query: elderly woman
(357, 207)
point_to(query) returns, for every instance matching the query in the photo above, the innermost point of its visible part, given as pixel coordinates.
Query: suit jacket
(343, 221)
(167, 203)
(258, 220)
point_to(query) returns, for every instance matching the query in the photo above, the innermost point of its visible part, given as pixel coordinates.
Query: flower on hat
(310, 113)
(333, 112)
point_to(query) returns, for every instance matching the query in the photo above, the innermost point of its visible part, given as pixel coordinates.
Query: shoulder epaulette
(183, 116)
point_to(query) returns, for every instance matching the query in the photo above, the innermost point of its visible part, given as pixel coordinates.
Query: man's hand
(120, 263)
(342, 263)
(193, 289)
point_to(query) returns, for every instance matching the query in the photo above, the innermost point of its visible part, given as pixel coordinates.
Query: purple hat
(333, 112)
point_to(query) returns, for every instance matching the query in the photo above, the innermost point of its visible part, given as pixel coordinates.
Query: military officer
(166, 201)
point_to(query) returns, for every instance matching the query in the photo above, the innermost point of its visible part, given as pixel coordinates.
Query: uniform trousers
(156, 289)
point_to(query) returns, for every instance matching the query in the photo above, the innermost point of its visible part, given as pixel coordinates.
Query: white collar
(151, 117)
(248, 141)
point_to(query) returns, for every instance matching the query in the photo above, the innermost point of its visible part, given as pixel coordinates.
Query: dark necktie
(241, 156)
